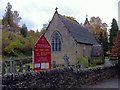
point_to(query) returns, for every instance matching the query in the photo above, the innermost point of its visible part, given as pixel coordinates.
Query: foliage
(97, 61)
(45, 25)
(103, 40)
(11, 19)
(97, 27)
(14, 48)
(24, 30)
(99, 31)
(16, 17)
(89, 62)
(82, 59)
(16, 44)
(115, 52)
(8, 17)
(113, 32)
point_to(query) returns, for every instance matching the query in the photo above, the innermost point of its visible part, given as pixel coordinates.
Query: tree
(8, 17)
(11, 19)
(45, 25)
(5, 40)
(16, 17)
(24, 31)
(14, 48)
(96, 26)
(116, 46)
(37, 34)
(99, 31)
(103, 40)
(113, 32)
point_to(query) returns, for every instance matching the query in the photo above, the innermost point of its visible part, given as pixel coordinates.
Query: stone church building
(69, 38)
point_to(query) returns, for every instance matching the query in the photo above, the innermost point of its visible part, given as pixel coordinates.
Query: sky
(35, 13)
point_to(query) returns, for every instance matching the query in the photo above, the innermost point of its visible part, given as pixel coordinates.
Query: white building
(119, 14)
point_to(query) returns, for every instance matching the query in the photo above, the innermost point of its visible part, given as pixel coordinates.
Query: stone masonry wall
(61, 78)
(68, 43)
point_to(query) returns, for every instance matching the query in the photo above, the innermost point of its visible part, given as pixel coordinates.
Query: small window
(84, 52)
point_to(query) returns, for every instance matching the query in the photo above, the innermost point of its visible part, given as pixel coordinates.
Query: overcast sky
(35, 13)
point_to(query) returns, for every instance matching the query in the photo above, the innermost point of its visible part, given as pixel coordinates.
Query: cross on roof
(56, 8)
(86, 16)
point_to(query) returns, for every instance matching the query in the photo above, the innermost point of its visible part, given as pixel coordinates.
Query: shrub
(97, 61)
(91, 62)
(82, 59)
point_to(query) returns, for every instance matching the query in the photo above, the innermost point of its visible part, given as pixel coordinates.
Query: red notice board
(42, 54)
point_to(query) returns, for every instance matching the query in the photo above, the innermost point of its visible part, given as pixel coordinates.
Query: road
(110, 83)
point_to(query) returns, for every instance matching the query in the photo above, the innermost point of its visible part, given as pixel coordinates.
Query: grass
(18, 67)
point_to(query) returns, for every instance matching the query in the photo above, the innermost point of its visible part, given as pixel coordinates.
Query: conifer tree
(8, 17)
(24, 30)
(113, 32)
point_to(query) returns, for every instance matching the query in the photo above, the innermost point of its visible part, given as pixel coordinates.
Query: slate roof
(78, 32)
(96, 50)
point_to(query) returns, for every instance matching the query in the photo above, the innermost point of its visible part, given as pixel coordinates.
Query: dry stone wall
(60, 78)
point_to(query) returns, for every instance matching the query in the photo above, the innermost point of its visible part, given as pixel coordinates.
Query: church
(68, 38)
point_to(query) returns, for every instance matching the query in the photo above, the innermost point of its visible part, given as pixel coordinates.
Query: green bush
(97, 61)
(82, 59)
(91, 62)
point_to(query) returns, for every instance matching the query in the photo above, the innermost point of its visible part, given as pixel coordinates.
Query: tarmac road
(110, 83)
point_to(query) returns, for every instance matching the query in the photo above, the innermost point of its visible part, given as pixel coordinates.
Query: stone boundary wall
(60, 78)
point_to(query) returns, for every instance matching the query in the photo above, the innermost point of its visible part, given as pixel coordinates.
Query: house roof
(78, 32)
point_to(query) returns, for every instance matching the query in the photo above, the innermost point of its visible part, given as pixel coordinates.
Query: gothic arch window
(56, 41)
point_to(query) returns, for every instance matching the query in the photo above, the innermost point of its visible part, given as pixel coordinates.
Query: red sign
(42, 54)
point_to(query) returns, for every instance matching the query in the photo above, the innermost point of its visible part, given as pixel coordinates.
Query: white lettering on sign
(42, 59)
(44, 53)
(43, 45)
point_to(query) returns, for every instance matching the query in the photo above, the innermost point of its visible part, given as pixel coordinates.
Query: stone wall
(61, 78)
(88, 49)
(68, 43)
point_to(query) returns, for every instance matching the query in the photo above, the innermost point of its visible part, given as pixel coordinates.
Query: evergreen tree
(11, 19)
(105, 45)
(113, 32)
(24, 30)
(8, 17)
(103, 40)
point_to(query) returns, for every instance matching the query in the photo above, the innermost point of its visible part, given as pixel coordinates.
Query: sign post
(42, 54)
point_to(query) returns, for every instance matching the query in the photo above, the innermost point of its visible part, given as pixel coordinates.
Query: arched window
(84, 52)
(56, 42)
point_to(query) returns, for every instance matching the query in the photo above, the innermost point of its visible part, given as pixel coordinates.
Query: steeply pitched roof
(78, 32)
